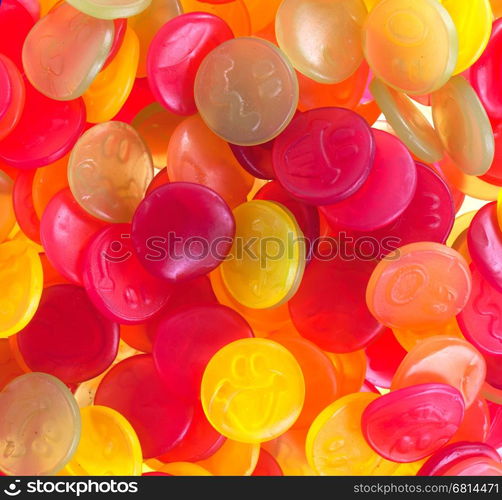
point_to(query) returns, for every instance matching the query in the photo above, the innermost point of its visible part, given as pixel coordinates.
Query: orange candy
(198, 155)
(9, 367)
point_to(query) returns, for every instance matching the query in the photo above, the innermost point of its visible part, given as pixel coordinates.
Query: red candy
(307, 216)
(383, 357)
(15, 23)
(412, 423)
(182, 230)
(24, 209)
(46, 131)
(454, 453)
(330, 297)
(485, 74)
(324, 155)
(68, 337)
(190, 337)
(134, 388)
(65, 230)
(267, 465)
(386, 193)
(118, 285)
(12, 114)
(6, 89)
(175, 54)
(485, 244)
(257, 160)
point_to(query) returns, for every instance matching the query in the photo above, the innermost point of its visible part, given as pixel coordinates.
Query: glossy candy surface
(110, 9)
(252, 390)
(412, 423)
(68, 337)
(40, 426)
(109, 170)
(324, 155)
(182, 244)
(14, 96)
(246, 91)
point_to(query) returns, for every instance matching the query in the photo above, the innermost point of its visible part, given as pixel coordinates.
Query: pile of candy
(216, 258)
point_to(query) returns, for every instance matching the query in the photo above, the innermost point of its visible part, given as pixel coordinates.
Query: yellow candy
(270, 273)
(252, 390)
(409, 124)
(473, 20)
(462, 222)
(184, 469)
(147, 23)
(111, 88)
(232, 459)
(463, 126)
(411, 45)
(335, 443)
(322, 38)
(108, 445)
(21, 282)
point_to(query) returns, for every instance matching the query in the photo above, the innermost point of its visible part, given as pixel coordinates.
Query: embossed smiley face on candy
(227, 306)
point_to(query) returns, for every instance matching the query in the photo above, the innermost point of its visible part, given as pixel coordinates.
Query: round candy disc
(190, 337)
(246, 91)
(68, 337)
(198, 155)
(385, 194)
(484, 74)
(485, 244)
(12, 114)
(335, 445)
(111, 9)
(111, 88)
(411, 45)
(46, 131)
(108, 445)
(445, 360)
(40, 427)
(463, 126)
(473, 21)
(330, 296)
(109, 170)
(476, 423)
(21, 279)
(182, 230)
(65, 231)
(321, 38)
(252, 390)
(269, 272)
(147, 24)
(324, 155)
(134, 389)
(412, 423)
(452, 454)
(49, 52)
(408, 122)
(116, 281)
(420, 285)
(175, 54)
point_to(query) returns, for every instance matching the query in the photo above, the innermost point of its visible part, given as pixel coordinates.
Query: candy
(385, 194)
(40, 427)
(110, 9)
(335, 445)
(478, 466)
(267, 465)
(412, 423)
(252, 390)
(412, 45)
(324, 155)
(267, 257)
(7, 216)
(49, 52)
(109, 170)
(108, 445)
(22, 199)
(182, 244)
(133, 388)
(418, 286)
(14, 96)
(321, 38)
(115, 280)
(68, 337)
(463, 126)
(175, 55)
(257, 160)
(246, 91)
